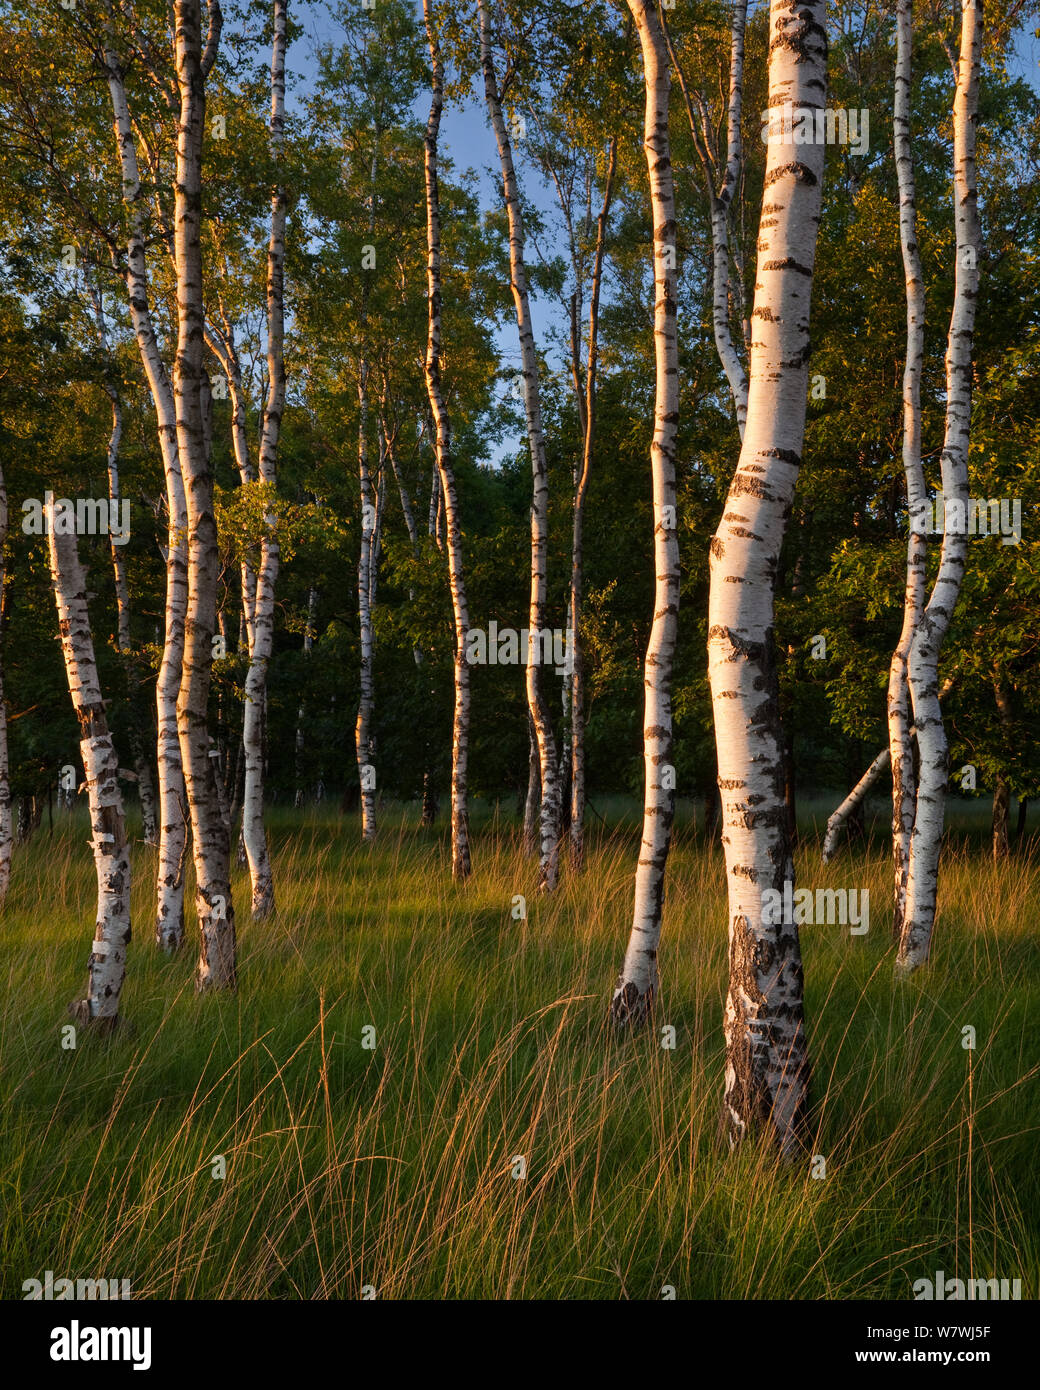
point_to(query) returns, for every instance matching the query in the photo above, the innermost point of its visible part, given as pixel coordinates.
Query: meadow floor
(394, 1166)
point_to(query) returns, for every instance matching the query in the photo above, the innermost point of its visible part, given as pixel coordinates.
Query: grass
(392, 1167)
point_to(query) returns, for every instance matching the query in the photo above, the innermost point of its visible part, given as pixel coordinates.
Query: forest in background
(306, 431)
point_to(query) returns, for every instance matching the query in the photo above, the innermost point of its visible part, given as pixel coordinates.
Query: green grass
(392, 1167)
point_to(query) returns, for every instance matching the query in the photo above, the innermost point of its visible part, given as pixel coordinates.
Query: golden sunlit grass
(393, 1167)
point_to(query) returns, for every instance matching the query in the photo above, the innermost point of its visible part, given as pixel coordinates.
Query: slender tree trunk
(720, 201)
(534, 791)
(922, 881)
(899, 738)
(107, 964)
(460, 852)
(363, 741)
(1020, 826)
(854, 799)
(859, 792)
(173, 825)
(637, 983)
(254, 721)
(301, 709)
(1001, 819)
(536, 701)
(6, 827)
(210, 839)
(587, 406)
(767, 1067)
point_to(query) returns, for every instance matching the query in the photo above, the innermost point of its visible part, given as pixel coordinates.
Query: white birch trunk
(767, 1070)
(210, 840)
(173, 824)
(106, 967)
(550, 809)
(720, 201)
(254, 720)
(637, 983)
(855, 797)
(922, 880)
(899, 739)
(587, 405)
(460, 851)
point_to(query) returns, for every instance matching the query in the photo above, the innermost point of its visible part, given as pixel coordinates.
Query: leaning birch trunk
(107, 965)
(254, 720)
(460, 854)
(900, 742)
(536, 702)
(855, 798)
(638, 981)
(210, 839)
(173, 826)
(577, 675)
(6, 827)
(767, 1069)
(839, 816)
(922, 880)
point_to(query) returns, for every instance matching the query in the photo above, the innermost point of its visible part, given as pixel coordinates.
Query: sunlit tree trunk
(460, 852)
(767, 1069)
(720, 201)
(638, 981)
(587, 406)
(173, 811)
(900, 743)
(107, 963)
(922, 880)
(210, 839)
(254, 721)
(537, 704)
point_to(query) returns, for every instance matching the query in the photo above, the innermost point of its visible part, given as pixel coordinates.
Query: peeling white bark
(107, 963)
(173, 825)
(536, 702)
(210, 840)
(925, 842)
(637, 983)
(460, 851)
(767, 1069)
(899, 738)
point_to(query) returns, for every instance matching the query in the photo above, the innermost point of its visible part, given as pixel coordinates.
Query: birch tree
(173, 814)
(106, 966)
(210, 839)
(549, 823)
(258, 585)
(142, 766)
(720, 201)
(637, 983)
(767, 1069)
(925, 840)
(901, 748)
(460, 852)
